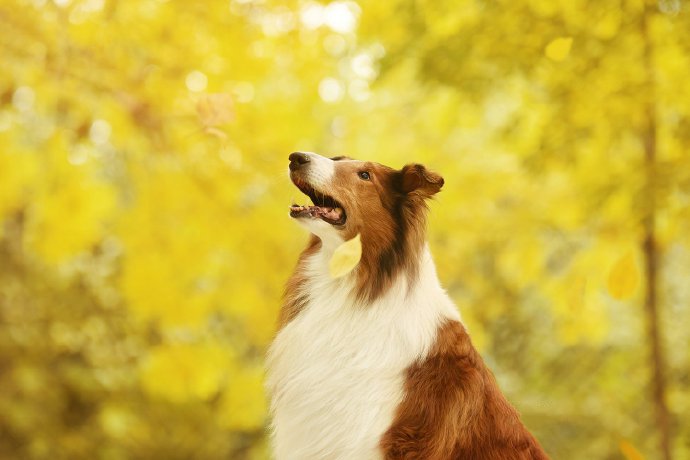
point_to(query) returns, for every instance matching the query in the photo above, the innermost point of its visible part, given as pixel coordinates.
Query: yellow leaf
(345, 257)
(623, 277)
(559, 48)
(629, 451)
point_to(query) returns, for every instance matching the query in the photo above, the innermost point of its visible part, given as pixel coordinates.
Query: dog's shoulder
(453, 408)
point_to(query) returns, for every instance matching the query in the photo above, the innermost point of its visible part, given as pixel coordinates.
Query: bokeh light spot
(23, 98)
(100, 131)
(330, 90)
(196, 81)
(341, 16)
(363, 66)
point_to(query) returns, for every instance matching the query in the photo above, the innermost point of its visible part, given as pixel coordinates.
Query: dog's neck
(419, 272)
(389, 255)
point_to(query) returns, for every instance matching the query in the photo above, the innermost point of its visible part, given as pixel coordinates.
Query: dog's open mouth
(324, 207)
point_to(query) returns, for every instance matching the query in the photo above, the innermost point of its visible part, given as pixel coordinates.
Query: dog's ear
(416, 179)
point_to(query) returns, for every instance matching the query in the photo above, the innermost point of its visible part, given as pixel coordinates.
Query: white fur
(329, 236)
(320, 171)
(335, 373)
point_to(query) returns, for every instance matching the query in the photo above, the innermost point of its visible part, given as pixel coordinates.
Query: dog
(377, 364)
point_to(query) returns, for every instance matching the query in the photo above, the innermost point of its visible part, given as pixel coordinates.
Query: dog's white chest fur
(336, 371)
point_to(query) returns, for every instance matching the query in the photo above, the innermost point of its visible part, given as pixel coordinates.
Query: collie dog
(377, 364)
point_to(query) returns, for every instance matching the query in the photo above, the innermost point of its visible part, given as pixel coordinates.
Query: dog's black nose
(297, 159)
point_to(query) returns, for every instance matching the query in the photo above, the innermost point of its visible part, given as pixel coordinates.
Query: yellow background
(144, 236)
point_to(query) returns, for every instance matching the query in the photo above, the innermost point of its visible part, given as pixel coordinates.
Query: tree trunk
(650, 249)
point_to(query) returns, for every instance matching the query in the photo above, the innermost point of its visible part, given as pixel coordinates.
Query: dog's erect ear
(416, 179)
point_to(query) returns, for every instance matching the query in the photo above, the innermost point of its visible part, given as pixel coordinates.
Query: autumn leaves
(624, 277)
(558, 49)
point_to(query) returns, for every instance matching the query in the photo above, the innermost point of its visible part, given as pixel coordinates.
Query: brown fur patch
(453, 409)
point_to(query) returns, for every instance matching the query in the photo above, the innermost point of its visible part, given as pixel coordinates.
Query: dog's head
(387, 207)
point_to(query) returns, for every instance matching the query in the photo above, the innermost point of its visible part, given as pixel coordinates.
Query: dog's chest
(336, 375)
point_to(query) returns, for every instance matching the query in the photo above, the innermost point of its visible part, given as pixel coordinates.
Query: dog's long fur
(378, 364)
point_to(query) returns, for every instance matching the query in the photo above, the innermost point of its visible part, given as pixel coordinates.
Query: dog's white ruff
(335, 373)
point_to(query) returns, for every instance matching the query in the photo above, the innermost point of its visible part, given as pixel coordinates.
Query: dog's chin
(327, 233)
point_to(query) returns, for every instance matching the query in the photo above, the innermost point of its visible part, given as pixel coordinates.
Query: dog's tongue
(333, 214)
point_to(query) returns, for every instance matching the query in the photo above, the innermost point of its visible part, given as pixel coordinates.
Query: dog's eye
(363, 175)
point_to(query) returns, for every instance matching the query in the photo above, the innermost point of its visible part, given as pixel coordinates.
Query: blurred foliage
(144, 238)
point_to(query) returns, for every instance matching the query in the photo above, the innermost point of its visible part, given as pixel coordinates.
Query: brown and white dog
(377, 364)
